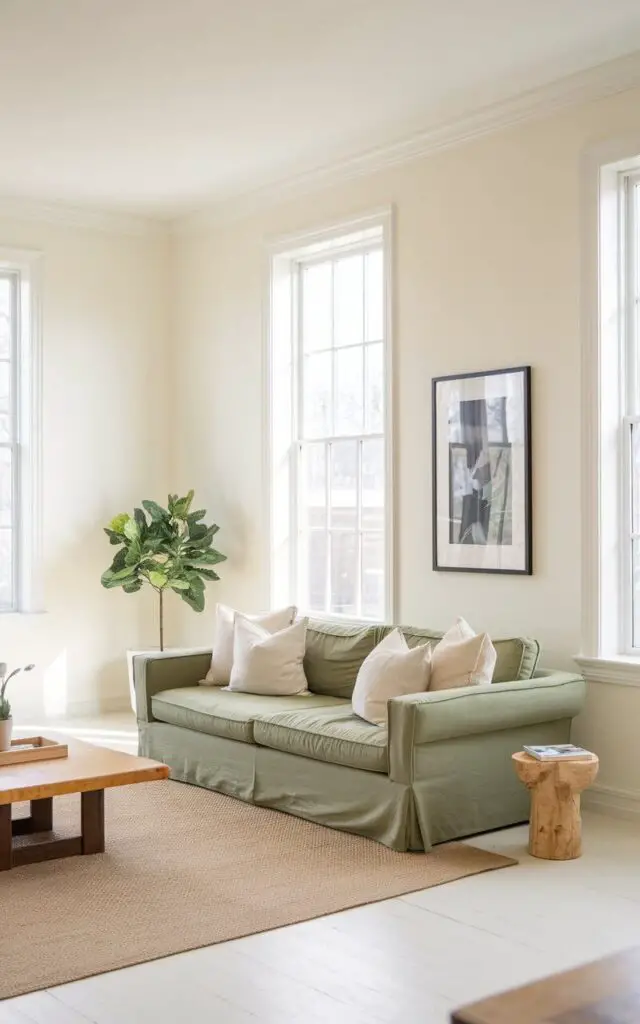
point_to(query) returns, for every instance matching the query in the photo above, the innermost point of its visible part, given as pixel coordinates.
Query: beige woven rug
(184, 868)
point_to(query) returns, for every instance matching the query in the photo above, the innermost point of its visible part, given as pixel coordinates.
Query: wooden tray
(33, 748)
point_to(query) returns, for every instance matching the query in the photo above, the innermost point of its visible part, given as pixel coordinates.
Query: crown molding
(15, 208)
(586, 86)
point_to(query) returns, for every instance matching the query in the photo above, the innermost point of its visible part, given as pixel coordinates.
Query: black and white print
(482, 471)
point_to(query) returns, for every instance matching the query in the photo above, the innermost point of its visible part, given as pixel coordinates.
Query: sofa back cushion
(335, 651)
(334, 654)
(517, 656)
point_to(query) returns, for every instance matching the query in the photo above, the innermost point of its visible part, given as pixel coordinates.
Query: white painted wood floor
(410, 960)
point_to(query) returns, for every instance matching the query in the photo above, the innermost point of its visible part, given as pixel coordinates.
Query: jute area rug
(185, 867)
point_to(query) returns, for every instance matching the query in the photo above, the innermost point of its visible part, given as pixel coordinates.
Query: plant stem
(160, 595)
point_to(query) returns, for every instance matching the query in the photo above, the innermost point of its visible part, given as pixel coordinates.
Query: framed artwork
(482, 472)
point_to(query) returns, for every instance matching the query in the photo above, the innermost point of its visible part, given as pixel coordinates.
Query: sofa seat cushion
(224, 713)
(331, 734)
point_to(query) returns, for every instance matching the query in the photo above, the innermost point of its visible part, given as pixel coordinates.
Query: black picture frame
(480, 546)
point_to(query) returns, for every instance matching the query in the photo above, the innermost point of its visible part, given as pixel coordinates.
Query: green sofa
(441, 770)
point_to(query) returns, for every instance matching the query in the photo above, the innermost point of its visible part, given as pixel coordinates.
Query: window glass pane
(344, 485)
(348, 300)
(349, 391)
(5, 569)
(373, 575)
(344, 573)
(5, 317)
(635, 477)
(313, 490)
(314, 568)
(5, 487)
(316, 306)
(5, 385)
(374, 296)
(373, 484)
(374, 388)
(317, 394)
(636, 593)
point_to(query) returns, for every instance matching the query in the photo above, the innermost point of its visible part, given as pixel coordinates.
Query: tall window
(19, 448)
(330, 425)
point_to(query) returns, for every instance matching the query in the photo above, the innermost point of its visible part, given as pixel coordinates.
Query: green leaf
(157, 512)
(122, 574)
(157, 579)
(211, 557)
(132, 586)
(110, 580)
(141, 520)
(119, 522)
(197, 531)
(193, 517)
(119, 560)
(131, 530)
(195, 599)
(133, 554)
(179, 584)
(207, 574)
(114, 538)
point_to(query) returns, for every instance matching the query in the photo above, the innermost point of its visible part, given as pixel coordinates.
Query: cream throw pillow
(391, 670)
(268, 663)
(462, 658)
(219, 673)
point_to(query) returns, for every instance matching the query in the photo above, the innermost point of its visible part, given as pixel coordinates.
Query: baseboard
(620, 803)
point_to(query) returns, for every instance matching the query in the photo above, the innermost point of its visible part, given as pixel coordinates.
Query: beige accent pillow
(462, 658)
(219, 673)
(268, 663)
(392, 669)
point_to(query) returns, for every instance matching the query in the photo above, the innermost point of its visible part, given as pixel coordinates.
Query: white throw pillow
(391, 670)
(268, 663)
(462, 658)
(219, 673)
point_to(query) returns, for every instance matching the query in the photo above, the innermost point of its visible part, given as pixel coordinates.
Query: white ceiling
(160, 106)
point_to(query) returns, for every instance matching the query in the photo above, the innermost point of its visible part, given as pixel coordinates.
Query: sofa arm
(445, 714)
(153, 673)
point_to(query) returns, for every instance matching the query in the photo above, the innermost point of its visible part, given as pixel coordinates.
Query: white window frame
(285, 258)
(26, 443)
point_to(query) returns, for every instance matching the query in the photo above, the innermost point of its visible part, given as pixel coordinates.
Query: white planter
(6, 727)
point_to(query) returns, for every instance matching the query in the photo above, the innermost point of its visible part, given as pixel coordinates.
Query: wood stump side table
(555, 827)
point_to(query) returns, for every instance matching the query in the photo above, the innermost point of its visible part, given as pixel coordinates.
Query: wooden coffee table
(605, 992)
(88, 770)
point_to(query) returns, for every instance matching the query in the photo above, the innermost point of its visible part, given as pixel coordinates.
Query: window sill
(619, 670)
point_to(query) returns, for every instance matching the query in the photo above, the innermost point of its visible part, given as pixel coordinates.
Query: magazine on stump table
(558, 752)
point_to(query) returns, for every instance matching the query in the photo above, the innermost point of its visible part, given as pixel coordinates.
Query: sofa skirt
(365, 803)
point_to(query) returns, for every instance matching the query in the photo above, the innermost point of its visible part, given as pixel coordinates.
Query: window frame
(287, 258)
(25, 266)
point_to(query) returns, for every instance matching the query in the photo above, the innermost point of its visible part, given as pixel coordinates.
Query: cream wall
(486, 274)
(105, 346)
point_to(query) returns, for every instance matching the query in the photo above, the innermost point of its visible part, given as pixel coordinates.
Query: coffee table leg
(42, 815)
(6, 837)
(92, 812)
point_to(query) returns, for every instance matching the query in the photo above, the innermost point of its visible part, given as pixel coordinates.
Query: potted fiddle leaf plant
(6, 721)
(166, 549)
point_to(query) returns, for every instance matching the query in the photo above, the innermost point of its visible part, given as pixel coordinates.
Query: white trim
(619, 803)
(585, 86)
(622, 671)
(29, 375)
(22, 209)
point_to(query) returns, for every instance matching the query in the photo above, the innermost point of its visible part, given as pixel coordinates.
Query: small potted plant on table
(6, 721)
